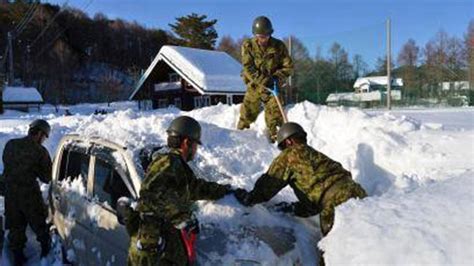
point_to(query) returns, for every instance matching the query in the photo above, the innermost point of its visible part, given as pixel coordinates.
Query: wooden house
(189, 78)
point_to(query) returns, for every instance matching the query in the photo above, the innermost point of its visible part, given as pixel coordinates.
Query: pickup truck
(90, 174)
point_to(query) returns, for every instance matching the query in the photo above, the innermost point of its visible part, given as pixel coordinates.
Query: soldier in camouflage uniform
(264, 59)
(167, 198)
(24, 160)
(319, 183)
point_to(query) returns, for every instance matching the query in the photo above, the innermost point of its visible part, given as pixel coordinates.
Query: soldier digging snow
(24, 160)
(265, 60)
(166, 226)
(319, 183)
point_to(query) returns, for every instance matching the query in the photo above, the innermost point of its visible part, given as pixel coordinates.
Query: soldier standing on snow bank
(24, 160)
(264, 59)
(167, 229)
(319, 183)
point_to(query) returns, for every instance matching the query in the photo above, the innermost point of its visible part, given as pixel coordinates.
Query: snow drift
(418, 175)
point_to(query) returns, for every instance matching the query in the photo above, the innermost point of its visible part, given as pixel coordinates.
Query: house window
(201, 101)
(162, 103)
(173, 77)
(177, 102)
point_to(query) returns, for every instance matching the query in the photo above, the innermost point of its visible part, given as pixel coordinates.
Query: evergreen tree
(195, 31)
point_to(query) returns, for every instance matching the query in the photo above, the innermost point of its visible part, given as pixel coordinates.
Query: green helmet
(185, 126)
(262, 25)
(287, 130)
(41, 125)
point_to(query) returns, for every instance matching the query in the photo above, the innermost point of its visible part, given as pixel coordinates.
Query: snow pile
(417, 172)
(426, 226)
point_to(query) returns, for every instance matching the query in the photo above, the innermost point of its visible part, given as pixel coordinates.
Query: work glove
(228, 189)
(123, 207)
(242, 196)
(284, 207)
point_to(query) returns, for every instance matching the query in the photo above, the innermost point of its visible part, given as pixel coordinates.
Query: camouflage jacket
(261, 64)
(24, 160)
(309, 173)
(170, 189)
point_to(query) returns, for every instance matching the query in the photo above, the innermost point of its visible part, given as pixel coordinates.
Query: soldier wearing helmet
(319, 183)
(25, 160)
(167, 228)
(264, 60)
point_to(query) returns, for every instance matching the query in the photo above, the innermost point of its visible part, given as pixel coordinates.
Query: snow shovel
(274, 92)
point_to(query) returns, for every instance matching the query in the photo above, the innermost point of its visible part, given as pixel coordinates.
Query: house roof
(377, 80)
(209, 72)
(21, 95)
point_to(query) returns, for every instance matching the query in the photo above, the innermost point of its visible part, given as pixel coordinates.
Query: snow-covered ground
(417, 166)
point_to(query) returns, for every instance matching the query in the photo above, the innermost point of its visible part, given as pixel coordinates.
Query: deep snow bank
(415, 173)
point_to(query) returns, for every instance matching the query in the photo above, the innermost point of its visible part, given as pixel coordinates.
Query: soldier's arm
(270, 183)
(249, 70)
(201, 189)
(44, 167)
(286, 68)
(7, 154)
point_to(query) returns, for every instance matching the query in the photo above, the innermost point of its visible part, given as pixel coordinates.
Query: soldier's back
(21, 158)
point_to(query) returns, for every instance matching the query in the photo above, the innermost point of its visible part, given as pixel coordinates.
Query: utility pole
(389, 70)
(11, 75)
(290, 78)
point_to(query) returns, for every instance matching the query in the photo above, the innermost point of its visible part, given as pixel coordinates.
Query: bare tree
(409, 54)
(228, 45)
(469, 51)
(359, 65)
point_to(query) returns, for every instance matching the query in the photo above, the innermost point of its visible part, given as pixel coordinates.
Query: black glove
(228, 189)
(242, 196)
(284, 207)
(124, 209)
(269, 82)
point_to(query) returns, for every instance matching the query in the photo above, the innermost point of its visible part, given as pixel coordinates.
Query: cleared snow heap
(418, 175)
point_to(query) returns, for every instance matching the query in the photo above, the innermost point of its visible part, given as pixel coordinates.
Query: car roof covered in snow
(21, 95)
(209, 72)
(377, 80)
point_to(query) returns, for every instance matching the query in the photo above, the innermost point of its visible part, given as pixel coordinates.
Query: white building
(368, 91)
(368, 84)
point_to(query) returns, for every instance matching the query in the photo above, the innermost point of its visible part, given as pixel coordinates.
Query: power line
(28, 17)
(46, 47)
(49, 24)
(24, 18)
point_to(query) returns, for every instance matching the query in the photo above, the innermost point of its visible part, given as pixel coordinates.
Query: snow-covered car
(91, 174)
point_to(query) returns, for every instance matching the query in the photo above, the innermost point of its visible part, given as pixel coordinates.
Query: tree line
(72, 57)
(443, 58)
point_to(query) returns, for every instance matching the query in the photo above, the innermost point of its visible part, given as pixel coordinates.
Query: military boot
(19, 258)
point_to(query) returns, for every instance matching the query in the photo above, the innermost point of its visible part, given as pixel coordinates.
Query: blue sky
(359, 25)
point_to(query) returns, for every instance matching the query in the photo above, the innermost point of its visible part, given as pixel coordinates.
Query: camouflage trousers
(336, 195)
(174, 253)
(23, 207)
(250, 109)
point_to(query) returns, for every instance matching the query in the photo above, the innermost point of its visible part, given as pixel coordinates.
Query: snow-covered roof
(362, 97)
(377, 80)
(209, 72)
(21, 95)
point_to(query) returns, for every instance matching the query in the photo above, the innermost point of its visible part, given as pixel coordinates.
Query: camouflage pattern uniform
(259, 66)
(319, 183)
(167, 198)
(25, 160)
